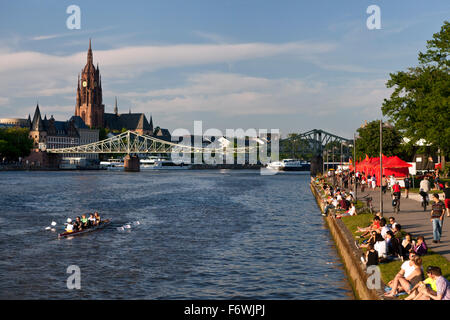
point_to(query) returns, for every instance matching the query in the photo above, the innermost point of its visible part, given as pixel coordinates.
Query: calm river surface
(202, 235)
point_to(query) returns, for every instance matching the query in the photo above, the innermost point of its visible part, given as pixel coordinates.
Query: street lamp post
(381, 165)
(354, 165)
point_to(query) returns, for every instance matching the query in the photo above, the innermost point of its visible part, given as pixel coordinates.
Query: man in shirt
(397, 191)
(442, 285)
(425, 185)
(437, 218)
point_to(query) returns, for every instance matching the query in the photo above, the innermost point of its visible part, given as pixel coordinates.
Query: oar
(128, 225)
(51, 225)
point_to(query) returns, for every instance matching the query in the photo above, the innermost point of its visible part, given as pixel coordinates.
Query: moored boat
(102, 225)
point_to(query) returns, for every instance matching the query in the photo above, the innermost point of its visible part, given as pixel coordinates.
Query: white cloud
(236, 95)
(29, 74)
(34, 74)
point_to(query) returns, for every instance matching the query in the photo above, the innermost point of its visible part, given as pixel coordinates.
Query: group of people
(339, 200)
(384, 242)
(82, 223)
(411, 280)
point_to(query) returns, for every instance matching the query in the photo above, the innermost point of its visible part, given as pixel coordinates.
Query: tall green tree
(15, 143)
(368, 141)
(420, 105)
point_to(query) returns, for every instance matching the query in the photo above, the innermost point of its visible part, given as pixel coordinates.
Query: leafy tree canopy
(420, 105)
(15, 143)
(368, 141)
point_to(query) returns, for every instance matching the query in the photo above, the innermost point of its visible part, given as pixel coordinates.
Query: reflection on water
(202, 235)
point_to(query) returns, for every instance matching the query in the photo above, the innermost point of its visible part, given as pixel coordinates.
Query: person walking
(447, 198)
(437, 218)
(407, 185)
(384, 183)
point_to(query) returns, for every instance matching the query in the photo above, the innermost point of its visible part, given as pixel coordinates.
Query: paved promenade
(413, 219)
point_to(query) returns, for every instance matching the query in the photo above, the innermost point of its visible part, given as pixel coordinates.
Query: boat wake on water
(128, 226)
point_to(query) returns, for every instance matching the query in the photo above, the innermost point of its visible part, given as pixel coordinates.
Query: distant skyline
(288, 65)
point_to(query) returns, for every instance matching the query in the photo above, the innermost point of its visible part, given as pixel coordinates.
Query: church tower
(89, 105)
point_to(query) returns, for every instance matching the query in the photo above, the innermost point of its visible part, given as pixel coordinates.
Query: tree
(368, 141)
(419, 105)
(15, 143)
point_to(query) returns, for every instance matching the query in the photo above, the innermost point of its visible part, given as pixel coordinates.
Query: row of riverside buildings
(84, 126)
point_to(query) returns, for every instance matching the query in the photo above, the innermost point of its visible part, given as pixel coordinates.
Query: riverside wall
(350, 254)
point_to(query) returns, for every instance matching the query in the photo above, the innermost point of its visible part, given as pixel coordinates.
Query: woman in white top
(408, 276)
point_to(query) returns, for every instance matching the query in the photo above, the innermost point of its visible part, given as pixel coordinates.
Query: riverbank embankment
(349, 253)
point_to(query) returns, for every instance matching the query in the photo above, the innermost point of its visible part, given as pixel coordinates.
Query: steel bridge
(316, 144)
(132, 143)
(320, 140)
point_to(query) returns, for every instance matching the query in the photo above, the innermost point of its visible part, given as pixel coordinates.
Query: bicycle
(368, 200)
(424, 200)
(396, 202)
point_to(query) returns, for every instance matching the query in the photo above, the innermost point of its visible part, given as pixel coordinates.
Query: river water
(229, 234)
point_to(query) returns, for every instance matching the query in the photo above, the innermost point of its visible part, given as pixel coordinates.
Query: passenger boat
(102, 225)
(162, 164)
(112, 164)
(289, 165)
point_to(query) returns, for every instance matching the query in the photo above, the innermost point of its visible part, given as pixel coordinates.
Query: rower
(84, 221)
(77, 224)
(69, 225)
(97, 218)
(91, 219)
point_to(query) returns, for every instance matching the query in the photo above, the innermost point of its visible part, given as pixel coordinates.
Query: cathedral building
(89, 105)
(90, 108)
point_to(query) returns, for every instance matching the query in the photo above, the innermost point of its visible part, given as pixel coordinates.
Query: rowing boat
(102, 225)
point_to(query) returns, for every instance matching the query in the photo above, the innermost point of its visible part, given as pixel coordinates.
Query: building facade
(52, 134)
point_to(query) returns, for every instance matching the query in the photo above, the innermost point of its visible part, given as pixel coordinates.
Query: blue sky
(288, 65)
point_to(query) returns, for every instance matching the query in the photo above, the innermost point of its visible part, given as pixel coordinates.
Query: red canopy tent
(396, 166)
(393, 166)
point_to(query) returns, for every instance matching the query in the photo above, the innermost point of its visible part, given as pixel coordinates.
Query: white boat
(112, 164)
(162, 164)
(289, 165)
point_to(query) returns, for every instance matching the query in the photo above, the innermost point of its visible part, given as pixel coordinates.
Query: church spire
(116, 110)
(90, 59)
(37, 124)
(151, 123)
